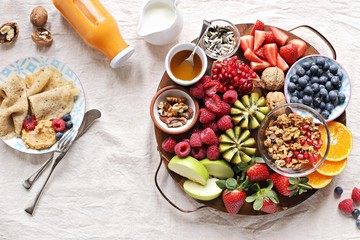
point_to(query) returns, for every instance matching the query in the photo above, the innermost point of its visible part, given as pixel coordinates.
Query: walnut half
(9, 32)
(42, 37)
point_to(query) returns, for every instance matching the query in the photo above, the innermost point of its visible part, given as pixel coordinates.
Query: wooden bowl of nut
(244, 101)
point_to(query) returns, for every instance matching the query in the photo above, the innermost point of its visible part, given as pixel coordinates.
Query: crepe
(54, 103)
(37, 81)
(13, 106)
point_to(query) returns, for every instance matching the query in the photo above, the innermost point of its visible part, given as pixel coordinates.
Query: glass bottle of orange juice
(97, 27)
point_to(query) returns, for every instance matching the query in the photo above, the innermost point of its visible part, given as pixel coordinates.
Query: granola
(293, 141)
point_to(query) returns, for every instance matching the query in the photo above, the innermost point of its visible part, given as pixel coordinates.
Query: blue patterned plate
(344, 89)
(29, 65)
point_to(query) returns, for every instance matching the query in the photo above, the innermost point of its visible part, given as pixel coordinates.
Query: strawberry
(289, 53)
(260, 53)
(250, 55)
(233, 195)
(355, 195)
(269, 37)
(346, 206)
(259, 38)
(257, 172)
(289, 186)
(259, 66)
(280, 36)
(280, 63)
(259, 25)
(247, 41)
(265, 199)
(271, 52)
(300, 45)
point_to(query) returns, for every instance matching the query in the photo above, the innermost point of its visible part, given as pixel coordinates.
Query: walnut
(274, 99)
(39, 16)
(273, 78)
(42, 37)
(9, 33)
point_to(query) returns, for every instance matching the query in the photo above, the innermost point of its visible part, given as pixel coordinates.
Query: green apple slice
(218, 168)
(205, 193)
(190, 168)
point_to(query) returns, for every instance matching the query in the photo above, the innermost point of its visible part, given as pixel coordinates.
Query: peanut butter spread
(42, 137)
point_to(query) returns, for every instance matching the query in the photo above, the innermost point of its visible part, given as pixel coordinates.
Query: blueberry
(294, 78)
(333, 69)
(314, 69)
(319, 72)
(329, 86)
(314, 79)
(341, 98)
(333, 94)
(358, 223)
(323, 80)
(340, 74)
(321, 86)
(326, 99)
(316, 95)
(355, 213)
(295, 93)
(294, 99)
(325, 114)
(315, 87)
(335, 81)
(318, 110)
(320, 61)
(322, 105)
(27, 117)
(69, 124)
(308, 91)
(323, 92)
(67, 117)
(307, 100)
(316, 102)
(338, 191)
(303, 81)
(308, 73)
(326, 66)
(58, 135)
(300, 71)
(301, 94)
(291, 87)
(329, 75)
(329, 107)
(306, 65)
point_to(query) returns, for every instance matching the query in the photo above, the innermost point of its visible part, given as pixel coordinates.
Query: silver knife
(89, 117)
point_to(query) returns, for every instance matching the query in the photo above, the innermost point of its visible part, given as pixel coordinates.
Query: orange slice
(340, 143)
(317, 180)
(331, 168)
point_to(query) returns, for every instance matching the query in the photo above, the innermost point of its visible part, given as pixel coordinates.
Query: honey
(184, 70)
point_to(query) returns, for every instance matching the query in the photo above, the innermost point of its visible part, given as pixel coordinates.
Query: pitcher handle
(332, 49)
(166, 198)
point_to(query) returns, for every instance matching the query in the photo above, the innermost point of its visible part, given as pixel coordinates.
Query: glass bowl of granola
(173, 110)
(289, 140)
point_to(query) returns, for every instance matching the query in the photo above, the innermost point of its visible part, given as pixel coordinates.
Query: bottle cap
(121, 57)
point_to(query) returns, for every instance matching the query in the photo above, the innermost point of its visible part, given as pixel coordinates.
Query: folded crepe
(37, 81)
(13, 106)
(53, 103)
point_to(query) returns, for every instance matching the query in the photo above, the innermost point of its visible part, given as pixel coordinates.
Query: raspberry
(205, 115)
(211, 87)
(205, 79)
(230, 96)
(208, 136)
(197, 90)
(198, 152)
(58, 125)
(346, 206)
(211, 125)
(29, 123)
(225, 109)
(182, 149)
(213, 152)
(224, 123)
(195, 140)
(213, 103)
(168, 145)
(355, 195)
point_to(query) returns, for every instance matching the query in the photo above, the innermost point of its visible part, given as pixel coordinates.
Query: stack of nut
(41, 36)
(174, 112)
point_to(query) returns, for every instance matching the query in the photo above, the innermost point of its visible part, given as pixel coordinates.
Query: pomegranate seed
(309, 141)
(320, 141)
(305, 127)
(306, 155)
(317, 146)
(300, 156)
(288, 160)
(302, 142)
(296, 153)
(308, 134)
(312, 159)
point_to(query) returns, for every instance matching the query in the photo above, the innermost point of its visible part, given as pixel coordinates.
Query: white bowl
(180, 47)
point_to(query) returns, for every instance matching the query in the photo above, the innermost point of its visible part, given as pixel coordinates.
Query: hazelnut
(38, 16)
(273, 78)
(42, 37)
(9, 32)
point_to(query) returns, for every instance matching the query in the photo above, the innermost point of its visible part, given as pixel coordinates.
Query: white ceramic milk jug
(160, 22)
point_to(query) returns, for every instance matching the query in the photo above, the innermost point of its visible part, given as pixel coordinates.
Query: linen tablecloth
(104, 188)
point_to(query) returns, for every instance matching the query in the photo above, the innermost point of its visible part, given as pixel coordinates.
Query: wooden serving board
(285, 202)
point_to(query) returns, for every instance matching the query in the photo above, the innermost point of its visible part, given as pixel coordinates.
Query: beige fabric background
(104, 187)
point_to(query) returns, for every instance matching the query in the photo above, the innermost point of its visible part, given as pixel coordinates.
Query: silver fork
(63, 146)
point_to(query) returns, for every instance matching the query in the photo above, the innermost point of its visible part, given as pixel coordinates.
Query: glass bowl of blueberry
(319, 82)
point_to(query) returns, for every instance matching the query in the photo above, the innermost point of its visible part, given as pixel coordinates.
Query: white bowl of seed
(221, 40)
